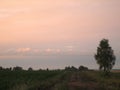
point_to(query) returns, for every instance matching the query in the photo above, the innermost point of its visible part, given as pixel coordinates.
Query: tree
(1, 68)
(83, 68)
(17, 68)
(30, 69)
(105, 56)
(72, 68)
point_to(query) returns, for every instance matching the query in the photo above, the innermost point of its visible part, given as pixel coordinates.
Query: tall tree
(105, 56)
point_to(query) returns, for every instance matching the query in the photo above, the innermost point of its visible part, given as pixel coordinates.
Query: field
(58, 80)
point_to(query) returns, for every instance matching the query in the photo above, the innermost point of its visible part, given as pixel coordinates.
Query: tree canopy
(105, 56)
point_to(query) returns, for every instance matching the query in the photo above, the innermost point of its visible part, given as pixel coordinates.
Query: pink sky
(58, 25)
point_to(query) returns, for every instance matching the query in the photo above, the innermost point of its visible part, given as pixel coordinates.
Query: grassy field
(58, 80)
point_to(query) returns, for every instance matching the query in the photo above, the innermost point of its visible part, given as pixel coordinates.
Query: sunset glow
(59, 27)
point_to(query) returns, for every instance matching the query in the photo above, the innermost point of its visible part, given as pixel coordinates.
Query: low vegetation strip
(58, 80)
(10, 80)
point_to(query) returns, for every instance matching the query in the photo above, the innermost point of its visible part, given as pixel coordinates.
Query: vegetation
(71, 78)
(105, 56)
(25, 80)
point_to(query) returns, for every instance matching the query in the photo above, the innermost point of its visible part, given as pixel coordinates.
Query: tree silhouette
(30, 69)
(105, 56)
(17, 68)
(82, 68)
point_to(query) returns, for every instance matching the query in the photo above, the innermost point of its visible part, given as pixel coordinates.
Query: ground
(58, 80)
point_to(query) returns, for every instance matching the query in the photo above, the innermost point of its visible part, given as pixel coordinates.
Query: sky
(55, 27)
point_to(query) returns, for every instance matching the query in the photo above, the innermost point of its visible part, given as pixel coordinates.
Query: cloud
(52, 51)
(10, 51)
(48, 50)
(70, 48)
(58, 50)
(29, 51)
(19, 50)
(36, 50)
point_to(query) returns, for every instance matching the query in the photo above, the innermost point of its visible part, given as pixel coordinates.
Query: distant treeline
(68, 68)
